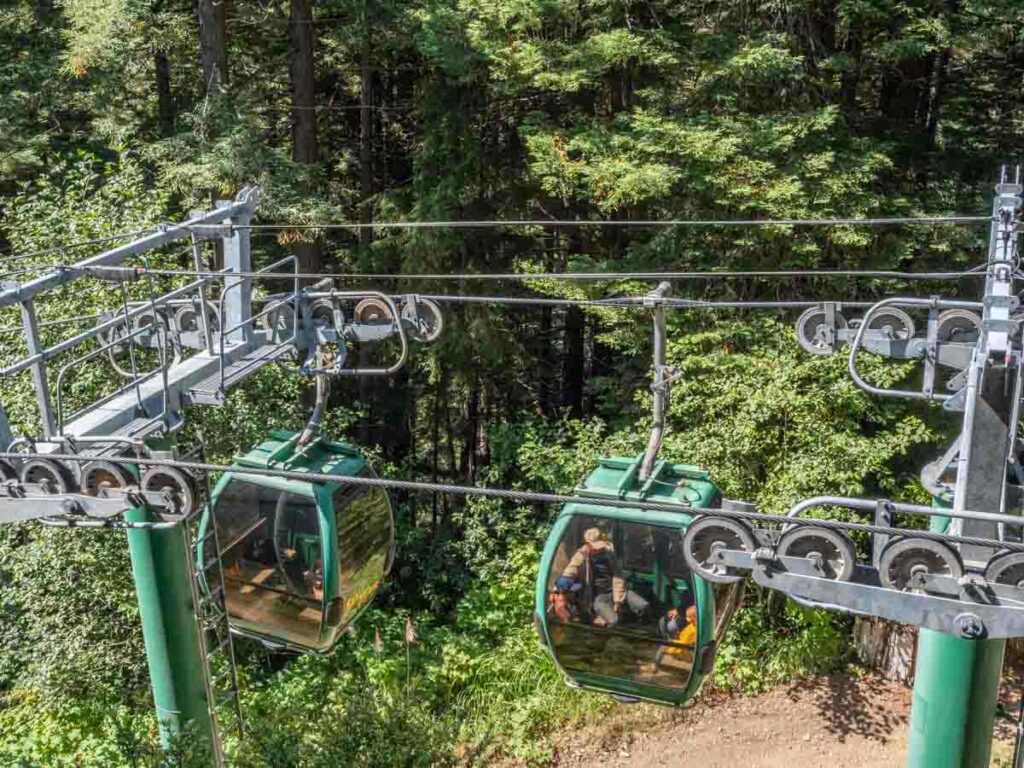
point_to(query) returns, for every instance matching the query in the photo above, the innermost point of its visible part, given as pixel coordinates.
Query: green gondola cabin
(300, 560)
(617, 605)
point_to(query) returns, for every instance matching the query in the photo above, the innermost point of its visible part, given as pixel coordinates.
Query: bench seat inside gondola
(271, 561)
(259, 596)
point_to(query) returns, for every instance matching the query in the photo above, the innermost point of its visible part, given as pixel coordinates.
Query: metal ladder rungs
(224, 644)
(211, 613)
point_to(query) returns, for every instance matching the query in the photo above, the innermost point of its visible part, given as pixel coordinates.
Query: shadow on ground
(847, 710)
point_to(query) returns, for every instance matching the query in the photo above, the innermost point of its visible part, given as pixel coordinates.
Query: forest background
(119, 114)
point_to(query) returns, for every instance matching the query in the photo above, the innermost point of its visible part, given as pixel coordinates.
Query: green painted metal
(956, 687)
(174, 651)
(319, 456)
(617, 478)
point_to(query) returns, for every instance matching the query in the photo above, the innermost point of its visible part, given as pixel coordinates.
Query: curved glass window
(621, 602)
(365, 540)
(271, 558)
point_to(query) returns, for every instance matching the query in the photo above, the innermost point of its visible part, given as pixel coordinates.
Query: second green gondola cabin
(300, 560)
(616, 603)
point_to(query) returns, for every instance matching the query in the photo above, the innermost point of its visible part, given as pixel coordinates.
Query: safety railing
(227, 330)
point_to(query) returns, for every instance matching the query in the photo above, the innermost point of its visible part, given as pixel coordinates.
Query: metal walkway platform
(210, 391)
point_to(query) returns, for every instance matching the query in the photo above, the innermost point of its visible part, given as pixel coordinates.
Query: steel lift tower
(207, 335)
(955, 569)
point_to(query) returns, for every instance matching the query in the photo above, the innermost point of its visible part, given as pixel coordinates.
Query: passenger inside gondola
(596, 569)
(621, 602)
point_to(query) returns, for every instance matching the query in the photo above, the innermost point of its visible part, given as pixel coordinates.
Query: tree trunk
(43, 10)
(366, 135)
(572, 369)
(212, 44)
(164, 97)
(543, 370)
(939, 71)
(304, 144)
(887, 647)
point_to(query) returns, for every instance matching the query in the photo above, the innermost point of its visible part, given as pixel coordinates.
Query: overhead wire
(523, 276)
(70, 246)
(645, 223)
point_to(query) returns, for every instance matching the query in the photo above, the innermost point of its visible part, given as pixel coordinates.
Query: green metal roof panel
(320, 456)
(617, 477)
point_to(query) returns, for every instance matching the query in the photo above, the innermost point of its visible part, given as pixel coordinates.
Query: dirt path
(828, 722)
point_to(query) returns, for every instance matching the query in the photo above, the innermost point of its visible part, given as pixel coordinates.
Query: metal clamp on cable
(941, 341)
(375, 308)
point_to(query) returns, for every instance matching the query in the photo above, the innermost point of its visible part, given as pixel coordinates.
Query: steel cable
(533, 497)
(644, 223)
(69, 246)
(131, 272)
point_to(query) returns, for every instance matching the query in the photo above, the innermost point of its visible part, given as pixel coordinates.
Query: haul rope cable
(63, 265)
(531, 497)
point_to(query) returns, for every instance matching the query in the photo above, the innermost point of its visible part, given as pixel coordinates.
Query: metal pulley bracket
(30, 501)
(934, 348)
(383, 314)
(367, 333)
(861, 597)
(942, 599)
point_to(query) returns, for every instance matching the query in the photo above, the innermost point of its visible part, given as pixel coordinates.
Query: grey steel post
(237, 258)
(5, 429)
(35, 346)
(991, 387)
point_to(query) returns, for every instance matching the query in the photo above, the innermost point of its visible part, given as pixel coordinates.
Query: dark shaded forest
(119, 114)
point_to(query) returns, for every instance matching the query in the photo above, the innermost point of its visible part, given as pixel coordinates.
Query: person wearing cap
(595, 566)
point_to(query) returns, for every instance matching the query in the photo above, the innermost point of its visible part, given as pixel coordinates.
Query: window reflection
(271, 560)
(364, 545)
(621, 603)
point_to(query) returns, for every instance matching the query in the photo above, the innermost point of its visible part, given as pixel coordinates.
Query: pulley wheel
(50, 475)
(1007, 569)
(7, 471)
(707, 535)
(426, 319)
(180, 485)
(814, 335)
(279, 320)
(147, 319)
(905, 559)
(959, 325)
(832, 551)
(321, 312)
(373, 311)
(97, 474)
(894, 323)
(187, 319)
(116, 333)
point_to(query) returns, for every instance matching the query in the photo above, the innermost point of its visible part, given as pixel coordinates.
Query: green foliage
(491, 109)
(772, 641)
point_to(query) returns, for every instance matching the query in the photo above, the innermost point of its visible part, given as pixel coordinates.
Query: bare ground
(854, 722)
